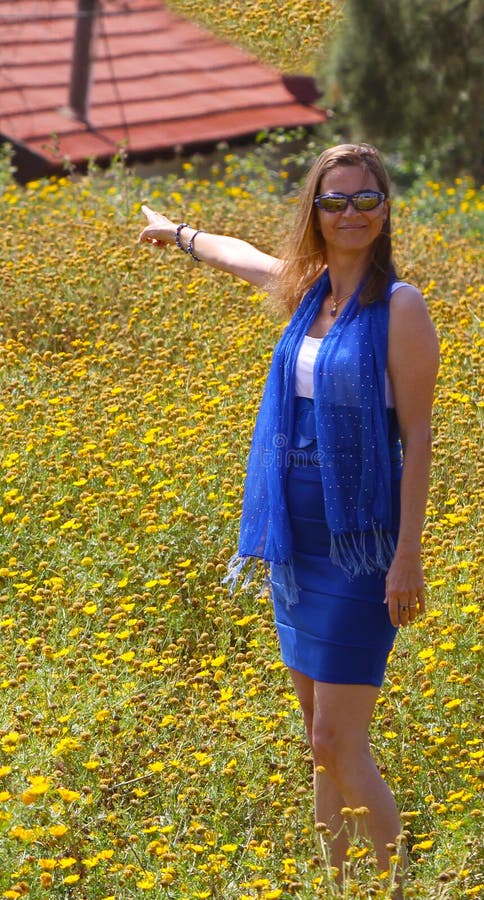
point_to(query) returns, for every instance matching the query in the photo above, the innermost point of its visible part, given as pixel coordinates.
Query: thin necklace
(336, 303)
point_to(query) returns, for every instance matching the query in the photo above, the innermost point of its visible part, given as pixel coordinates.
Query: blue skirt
(340, 631)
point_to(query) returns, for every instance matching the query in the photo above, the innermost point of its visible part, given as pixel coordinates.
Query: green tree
(408, 74)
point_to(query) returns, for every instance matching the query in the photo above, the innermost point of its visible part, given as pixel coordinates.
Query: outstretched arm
(413, 359)
(217, 250)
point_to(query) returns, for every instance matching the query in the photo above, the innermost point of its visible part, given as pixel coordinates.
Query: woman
(329, 504)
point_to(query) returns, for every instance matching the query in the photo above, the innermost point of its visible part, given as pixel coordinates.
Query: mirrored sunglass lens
(366, 201)
(333, 204)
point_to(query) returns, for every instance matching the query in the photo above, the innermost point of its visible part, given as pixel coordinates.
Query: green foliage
(407, 75)
(7, 169)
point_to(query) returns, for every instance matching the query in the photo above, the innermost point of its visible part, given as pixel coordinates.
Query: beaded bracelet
(177, 236)
(190, 246)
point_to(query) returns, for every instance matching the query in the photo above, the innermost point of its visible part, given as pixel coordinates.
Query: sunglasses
(363, 201)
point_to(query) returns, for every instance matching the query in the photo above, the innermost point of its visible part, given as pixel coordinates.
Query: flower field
(150, 742)
(286, 34)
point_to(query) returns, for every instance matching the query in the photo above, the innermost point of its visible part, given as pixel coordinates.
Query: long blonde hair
(305, 252)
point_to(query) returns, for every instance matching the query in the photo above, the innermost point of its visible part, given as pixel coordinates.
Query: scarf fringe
(351, 553)
(235, 568)
(283, 583)
(279, 578)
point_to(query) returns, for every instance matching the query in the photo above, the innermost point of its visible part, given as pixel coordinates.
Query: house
(81, 78)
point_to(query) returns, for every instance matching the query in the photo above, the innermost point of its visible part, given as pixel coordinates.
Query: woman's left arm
(413, 362)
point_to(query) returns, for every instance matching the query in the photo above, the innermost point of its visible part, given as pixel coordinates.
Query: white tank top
(307, 357)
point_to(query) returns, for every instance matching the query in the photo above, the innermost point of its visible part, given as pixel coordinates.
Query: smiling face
(352, 230)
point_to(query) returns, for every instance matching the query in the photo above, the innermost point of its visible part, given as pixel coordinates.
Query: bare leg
(341, 719)
(328, 800)
(328, 803)
(337, 720)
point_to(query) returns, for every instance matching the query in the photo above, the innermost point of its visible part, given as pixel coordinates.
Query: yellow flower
(91, 765)
(452, 704)
(27, 835)
(218, 661)
(277, 778)
(9, 741)
(68, 796)
(423, 845)
(147, 882)
(39, 786)
(48, 864)
(203, 759)
(8, 518)
(66, 745)
(58, 830)
(90, 609)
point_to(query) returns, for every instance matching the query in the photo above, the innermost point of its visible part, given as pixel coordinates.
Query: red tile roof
(157, 82)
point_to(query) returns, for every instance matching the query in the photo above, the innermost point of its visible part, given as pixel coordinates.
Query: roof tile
(157, 81)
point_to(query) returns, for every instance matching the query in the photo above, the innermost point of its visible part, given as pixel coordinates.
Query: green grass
(150, 741)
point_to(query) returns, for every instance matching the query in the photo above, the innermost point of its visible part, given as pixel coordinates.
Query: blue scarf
(352, 444)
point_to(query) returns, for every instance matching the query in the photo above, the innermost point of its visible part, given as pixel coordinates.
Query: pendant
(332, 312)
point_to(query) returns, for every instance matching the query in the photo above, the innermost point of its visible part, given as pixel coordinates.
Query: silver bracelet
(190, 246)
